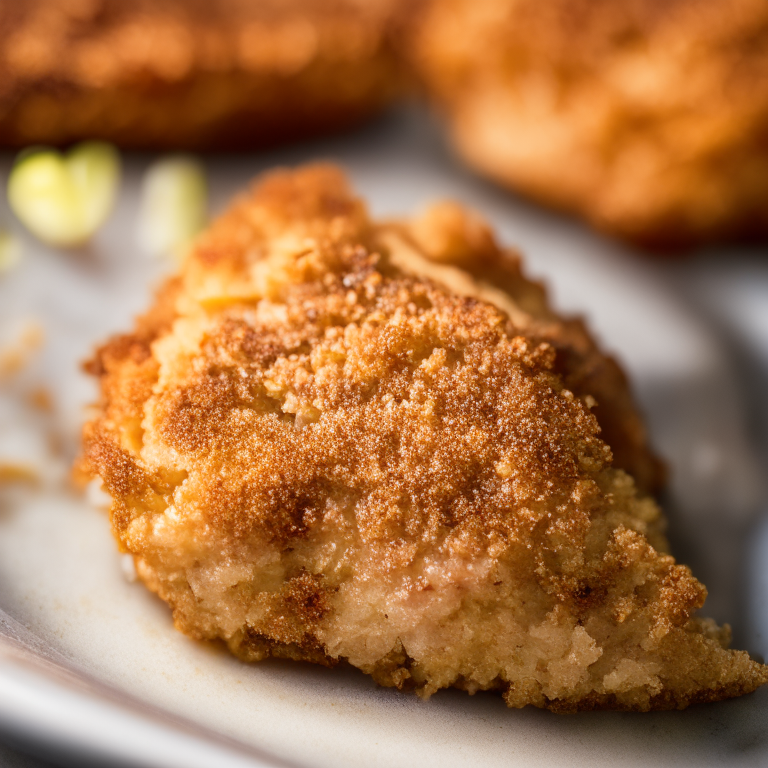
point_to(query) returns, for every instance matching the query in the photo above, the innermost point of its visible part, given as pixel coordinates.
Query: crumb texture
(338, 440)
(650, 121)
(193, 73)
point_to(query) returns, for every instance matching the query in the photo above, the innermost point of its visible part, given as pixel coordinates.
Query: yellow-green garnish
(10, 250)
(174, 205)
(65, 198)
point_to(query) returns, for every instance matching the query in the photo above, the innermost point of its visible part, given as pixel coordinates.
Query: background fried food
(329, 442)
(649, 118)
(192, 73)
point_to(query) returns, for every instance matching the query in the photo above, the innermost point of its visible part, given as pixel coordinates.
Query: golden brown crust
(648, 118)
(192, 73)
(332, 456)
(450, 234)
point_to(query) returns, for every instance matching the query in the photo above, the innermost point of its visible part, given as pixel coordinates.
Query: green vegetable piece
(65, 199)
(174, 205)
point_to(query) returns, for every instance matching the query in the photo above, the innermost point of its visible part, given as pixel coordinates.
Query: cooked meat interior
(334, 439)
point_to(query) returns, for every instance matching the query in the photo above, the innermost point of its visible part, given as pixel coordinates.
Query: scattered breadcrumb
(26, 337)
(16, 473)
(31, 447)
(40, 399)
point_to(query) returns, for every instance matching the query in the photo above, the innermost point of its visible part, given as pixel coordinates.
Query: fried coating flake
(334, 439)
(192, 73)
(647, 118)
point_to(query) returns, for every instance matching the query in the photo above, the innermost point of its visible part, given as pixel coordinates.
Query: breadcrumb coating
(647, 118)
(193, 73)
(338, 440)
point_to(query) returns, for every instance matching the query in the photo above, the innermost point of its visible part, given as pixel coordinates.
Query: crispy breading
(192, 73)
(331, 442)
(647, 118)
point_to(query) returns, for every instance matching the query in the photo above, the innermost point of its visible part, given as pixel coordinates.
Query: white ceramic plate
(90, 661)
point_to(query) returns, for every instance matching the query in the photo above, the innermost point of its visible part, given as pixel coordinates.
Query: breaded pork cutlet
(649, 118)
(192, 73)
(334, 440)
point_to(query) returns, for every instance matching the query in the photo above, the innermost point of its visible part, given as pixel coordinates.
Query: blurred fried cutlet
(334, 439)
(648, 118)
(192, 73)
